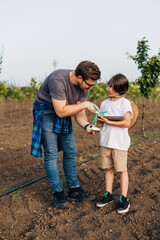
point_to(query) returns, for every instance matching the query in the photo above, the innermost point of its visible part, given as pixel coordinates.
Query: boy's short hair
(120, 83)
(87, 69)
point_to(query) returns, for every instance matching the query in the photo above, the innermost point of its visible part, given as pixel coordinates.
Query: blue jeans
(51, 141)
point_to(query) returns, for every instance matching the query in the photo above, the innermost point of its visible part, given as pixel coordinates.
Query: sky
(36, 33)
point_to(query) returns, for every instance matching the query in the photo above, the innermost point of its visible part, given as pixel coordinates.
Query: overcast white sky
(34, 33)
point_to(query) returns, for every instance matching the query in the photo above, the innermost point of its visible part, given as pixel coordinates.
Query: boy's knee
(107, 169)
(123, 172)
(110, 169)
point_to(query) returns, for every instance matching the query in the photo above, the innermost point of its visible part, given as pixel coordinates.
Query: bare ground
(29, 212)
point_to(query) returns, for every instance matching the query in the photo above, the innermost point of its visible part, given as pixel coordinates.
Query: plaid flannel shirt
(60, 126)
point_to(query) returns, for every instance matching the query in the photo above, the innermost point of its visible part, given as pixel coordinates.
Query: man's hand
(90, 107)
(90, 130)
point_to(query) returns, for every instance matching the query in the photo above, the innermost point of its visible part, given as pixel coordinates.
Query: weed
(149, 136)
(16, 196)
(97, 161)
(81, 159)
(21, 174)
(3, 187)
(153, 135)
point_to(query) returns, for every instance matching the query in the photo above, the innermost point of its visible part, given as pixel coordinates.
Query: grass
(153, 135)
(21, 174)
(149, 136)
(6, 187)
(85, 160)
(16, 196)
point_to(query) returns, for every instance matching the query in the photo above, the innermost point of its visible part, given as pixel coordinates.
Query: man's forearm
(64, 110)
(68, 110)
(81, 118)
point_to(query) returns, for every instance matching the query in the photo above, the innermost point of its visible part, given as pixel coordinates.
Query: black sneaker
(124, 205)
(108, 198)
(59, 200)
(78, 194)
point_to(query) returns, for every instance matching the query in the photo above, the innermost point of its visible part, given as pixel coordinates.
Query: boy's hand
(102, 120)
(99, 124)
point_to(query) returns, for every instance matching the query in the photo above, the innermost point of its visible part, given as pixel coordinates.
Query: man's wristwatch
(87, 125)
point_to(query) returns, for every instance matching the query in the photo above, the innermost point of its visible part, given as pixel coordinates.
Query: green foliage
(141, 57)
(31, 91)
(3, 89)
(149, 67)
(150, 76)
(33, 87)
(100, 90)
(156, 92)
(39, 85)
(133, 91)
(21, 93)
(150, 72)
(97, 91)
(14, 92)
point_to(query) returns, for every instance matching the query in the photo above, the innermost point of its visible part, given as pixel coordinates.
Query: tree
(150, 72)
(99, 90)
(33, 87)
(3, 91)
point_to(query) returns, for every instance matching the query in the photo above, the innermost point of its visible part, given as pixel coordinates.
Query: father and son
(64, 94)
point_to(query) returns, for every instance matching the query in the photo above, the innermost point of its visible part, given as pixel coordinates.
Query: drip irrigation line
(40, 178)
(22, 186)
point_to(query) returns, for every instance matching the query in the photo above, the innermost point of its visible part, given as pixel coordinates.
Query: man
(62, 95)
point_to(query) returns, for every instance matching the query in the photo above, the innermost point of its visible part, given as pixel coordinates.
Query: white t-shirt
(113, 136)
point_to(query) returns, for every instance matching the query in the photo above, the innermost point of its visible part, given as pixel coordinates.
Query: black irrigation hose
(40, 178)
(22, 186)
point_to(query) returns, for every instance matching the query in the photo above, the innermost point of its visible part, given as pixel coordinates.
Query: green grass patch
(16, 196)
(6, 187)
(89, 158)
(149, 136)
(153, 135)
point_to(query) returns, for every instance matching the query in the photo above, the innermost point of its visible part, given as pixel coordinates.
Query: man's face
(86, 84)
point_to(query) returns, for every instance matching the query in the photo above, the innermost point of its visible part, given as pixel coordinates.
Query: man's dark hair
(87, 69)
(120, 83)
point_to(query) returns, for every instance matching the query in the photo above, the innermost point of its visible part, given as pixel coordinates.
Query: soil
(29, 213)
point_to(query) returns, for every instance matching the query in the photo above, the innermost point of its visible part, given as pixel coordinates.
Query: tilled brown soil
(29, 212)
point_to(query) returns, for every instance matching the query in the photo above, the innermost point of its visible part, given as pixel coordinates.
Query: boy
(115, 141)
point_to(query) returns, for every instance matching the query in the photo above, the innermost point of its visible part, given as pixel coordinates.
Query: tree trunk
(11, 109)
(142, 119)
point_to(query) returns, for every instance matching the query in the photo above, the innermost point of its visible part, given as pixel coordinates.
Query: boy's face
(112, 93)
